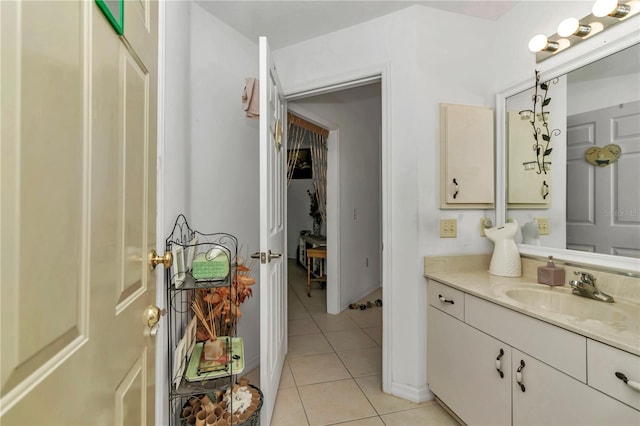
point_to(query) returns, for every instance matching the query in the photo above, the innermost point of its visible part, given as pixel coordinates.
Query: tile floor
(332, 373)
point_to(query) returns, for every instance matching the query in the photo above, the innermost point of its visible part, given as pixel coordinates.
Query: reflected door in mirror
(603, 203)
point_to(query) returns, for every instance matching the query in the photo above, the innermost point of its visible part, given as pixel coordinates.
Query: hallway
(332, 373)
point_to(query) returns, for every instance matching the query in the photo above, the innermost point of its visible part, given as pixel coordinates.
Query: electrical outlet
(448, 228)
(543, 225)
(485, 223)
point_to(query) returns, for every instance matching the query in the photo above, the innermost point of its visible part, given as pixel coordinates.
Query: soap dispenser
(550, 274)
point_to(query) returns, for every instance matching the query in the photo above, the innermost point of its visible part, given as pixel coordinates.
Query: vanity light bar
(572, 31)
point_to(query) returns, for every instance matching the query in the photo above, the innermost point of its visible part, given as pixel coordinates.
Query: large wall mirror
(581, 173)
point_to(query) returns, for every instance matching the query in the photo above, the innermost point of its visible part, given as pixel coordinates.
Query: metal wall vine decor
(538, 116)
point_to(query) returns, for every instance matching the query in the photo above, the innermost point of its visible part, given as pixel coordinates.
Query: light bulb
(604, 7)
(537, 43)
(568, 27)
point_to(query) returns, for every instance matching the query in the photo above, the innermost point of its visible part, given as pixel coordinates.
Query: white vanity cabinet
(462, 347)
(466, 157)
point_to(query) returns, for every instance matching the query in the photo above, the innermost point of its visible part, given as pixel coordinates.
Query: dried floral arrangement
(218, 309)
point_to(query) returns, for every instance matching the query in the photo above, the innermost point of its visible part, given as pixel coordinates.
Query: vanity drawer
(446, 298)
(603, 362)
(552, 345)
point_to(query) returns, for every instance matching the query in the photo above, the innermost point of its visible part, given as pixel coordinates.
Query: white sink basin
(558, 300)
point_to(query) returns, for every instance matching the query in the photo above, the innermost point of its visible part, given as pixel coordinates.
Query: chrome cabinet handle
(444, 299)
(633, 385)
(499, 364)
(455, 194)
(519, 376)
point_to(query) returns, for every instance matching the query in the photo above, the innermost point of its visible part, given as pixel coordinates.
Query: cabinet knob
(155, 260)
(499, 364)
(519, 375)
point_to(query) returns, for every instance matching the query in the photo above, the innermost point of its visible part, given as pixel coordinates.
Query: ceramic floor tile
(334, 402)
(318, 369)
(308, 344)
(375, 333)
(349, 339)
(430, 415)
(302, 326)
(362, 362)
(369, 421)
(370, 317)
(296, 310)
(327, 322)
(286, 378)
(288, 410)
(382, 402)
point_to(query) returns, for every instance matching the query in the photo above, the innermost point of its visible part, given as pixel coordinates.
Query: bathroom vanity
(511, 351)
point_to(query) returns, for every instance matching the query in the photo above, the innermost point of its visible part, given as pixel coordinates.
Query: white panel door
(603, 203)
(78, 208)
(273, 292)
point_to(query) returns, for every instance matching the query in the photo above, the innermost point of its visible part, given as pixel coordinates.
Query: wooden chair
(317, 253)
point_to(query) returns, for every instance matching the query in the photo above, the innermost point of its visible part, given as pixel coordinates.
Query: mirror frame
(625, 265)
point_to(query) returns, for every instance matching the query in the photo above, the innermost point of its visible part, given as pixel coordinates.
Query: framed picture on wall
(302, 165)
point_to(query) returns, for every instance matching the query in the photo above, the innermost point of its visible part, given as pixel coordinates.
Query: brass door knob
(155, 260)
(152, 314)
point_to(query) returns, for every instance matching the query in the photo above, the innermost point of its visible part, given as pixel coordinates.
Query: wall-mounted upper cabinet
(466, 157)
(528, 185)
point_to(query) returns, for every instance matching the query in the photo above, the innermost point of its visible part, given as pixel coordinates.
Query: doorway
(354, 194)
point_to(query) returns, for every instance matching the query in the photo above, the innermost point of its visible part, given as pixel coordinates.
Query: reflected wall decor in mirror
(589, 190)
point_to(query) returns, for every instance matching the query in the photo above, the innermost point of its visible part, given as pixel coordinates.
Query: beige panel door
(78, 208)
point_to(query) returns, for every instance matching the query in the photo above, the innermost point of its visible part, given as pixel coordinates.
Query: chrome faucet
(586, 287)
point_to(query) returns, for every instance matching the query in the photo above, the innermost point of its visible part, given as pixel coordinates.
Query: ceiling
(290, 22)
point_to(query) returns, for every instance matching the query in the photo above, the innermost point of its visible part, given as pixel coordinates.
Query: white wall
(173, 160)
(224, 148)
(357, 114)
(601, 93)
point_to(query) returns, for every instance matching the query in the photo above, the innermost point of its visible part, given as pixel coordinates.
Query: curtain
(319, 170)
(299, 129)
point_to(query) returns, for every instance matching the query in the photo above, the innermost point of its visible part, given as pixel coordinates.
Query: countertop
(616, 324)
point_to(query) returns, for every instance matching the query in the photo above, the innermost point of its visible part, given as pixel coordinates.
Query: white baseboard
(251, 363)
(412, 393)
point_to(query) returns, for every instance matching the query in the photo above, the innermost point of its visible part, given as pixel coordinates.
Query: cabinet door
(553, 398)
(466, 152)
(461, 370)
(526, 188)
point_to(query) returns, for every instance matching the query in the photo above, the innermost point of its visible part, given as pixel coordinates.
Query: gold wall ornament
(603, 157)
(277, 135)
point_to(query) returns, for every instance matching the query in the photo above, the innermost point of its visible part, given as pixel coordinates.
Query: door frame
(377, 73)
